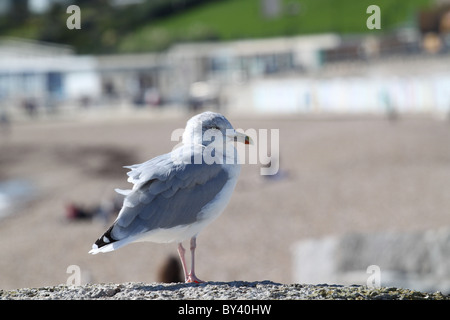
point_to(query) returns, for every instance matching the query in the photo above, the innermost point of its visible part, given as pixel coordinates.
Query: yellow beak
(240, 137)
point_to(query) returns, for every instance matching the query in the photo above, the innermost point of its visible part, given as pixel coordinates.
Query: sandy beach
(338, 175)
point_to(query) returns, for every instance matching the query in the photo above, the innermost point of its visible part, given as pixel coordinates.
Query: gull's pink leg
(181, 252)
(191, 276)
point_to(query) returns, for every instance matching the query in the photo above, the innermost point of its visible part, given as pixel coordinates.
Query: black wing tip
(105, 239)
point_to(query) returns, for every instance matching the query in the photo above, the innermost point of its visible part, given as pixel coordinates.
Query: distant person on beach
(30, 107)
(5, 123)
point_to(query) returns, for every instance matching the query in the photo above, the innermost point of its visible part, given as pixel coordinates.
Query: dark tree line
(103, 24)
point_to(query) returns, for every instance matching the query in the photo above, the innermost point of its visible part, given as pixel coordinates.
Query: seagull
(177, 194)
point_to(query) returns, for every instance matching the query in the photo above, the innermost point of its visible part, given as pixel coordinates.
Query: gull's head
(205, 127)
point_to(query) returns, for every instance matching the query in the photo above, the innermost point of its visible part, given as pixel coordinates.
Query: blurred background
(364, 120)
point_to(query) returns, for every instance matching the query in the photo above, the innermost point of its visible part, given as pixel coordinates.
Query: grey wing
(170, 195)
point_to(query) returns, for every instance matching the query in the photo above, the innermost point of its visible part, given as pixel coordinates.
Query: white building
(237, 62)
(266, 75)
(45, 74)
(41, 75)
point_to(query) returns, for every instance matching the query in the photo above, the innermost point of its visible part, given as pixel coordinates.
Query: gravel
(235, 290)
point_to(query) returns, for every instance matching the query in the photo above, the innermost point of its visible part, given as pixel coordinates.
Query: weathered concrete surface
(261, 290)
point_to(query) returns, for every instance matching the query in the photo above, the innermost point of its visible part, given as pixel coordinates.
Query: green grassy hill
(235, 19)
